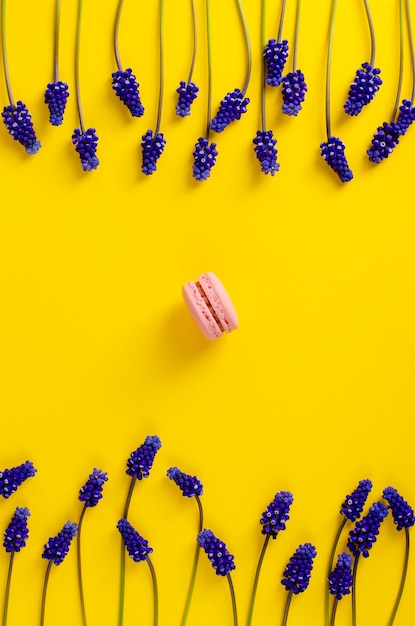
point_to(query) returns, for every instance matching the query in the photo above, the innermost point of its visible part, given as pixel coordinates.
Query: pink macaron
(210, 306)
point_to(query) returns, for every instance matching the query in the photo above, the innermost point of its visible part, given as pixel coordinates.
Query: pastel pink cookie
(210, 306)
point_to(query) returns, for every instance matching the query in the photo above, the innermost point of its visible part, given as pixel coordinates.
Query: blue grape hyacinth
(17, 533)
(187, 94)
(11, 479)
(297, 573)
(354, 503)
(276, 514)
(56, 549)
(222, 560)
(293, 92)
(141, 460)
(126, 88)
(332, 152)
(86, 144)
(266, 152)
(402, 512)
(275, 54)
(363, 89)
(18, 122)
(384, 141)
(137, 547)
(341, 578)
(363, 535)
(152, 149)
(231, 108)
(56, 95)
(91, 493)
(405, 117)
(189, 485)
(204, 156)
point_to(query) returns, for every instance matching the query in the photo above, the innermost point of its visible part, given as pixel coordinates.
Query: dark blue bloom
(332, 152)
(363, 535)
(297, 573)
(137, 546)
(91, 492)
(189, 485)
(57, 547)
(126, 87)
(402, 512)
(341, 578)
(11, 479)
(187, 93)
(204, 159)
(152, 149)
(266, 152)
(363, 89)
(353, 505)
(18, 122)
(16, 533)
(141, 460)
(405, 117)
(56, 95)
(86, 146)
(383, 142)
(222, 561)
(276, 514)
(293, 92)
(275, 54)
(231, 108)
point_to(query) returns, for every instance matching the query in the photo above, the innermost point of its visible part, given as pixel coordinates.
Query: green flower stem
(56, 40)
(209, 63)
(122, 556)
(403, 579)
(77, 81)
(333, 611)
(161, 67)
(287, 608)
(233, 599)
(401, 54)
(263, 81)
(356, 562)
(80, 580)
(257, 573)
(194, 30)
(45, 588)
(195, 564)
(296, 35)
(372, 33)
(7, 592)
(330, 568)
(328, 67)
(412, 47)
(155, 591)
(4, 50)
(116, 34)
(247, 46)
(281, 22)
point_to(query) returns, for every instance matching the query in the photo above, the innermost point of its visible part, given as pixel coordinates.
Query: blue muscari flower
(91, 492)
(231, 108)
(275, 54)
(56, 95)
(18, 122)
(141, 460)
(354, 503)
(405, 117)
(383, 142)
(276, 514)
(363, 535)
(332, 152)
(126, 87)
(11, 479)
(57, 547)
(189, 485)
(293, 92)
(16, 533)
(297, 573)
(152, 149)
(187, 93)
(86, 146)
(402, 512)
(341, 578)
(363, 89)
(221, 559)
(137, 546)
(204, 159)
(266, 152)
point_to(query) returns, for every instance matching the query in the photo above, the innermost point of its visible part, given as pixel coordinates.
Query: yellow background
(312, 393)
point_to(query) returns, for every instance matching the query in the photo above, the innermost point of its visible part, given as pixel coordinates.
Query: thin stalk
(330, 568)
(56, 41)
(77, 81)
(209, 63)
(4, 50)
(296, 35)
(401, 52)
(161, 67)
(195, 564)
(7, 592)
(116, 34)
(281, 22)
(328, 68)
(122, 556)
(247, 46)
(255, 586)
(287, 608)
(403, 579)
(356, 561)
(372, 33)
(263, 81)
(194, 29)
(45, 588)
(412, 47)
(333, 611)
(80, 581)
(233, 599)
(155, 591)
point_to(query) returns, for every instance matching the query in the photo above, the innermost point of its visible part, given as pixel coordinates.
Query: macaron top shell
(220, 301)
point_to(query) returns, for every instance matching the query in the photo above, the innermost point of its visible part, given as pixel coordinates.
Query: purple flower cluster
(152, 149)
(137, 546)
(332, 152)
(86, 144)
(405, 117)
(266, 152)
(384, 141)
(222, 561)
(363, 89)
(126, 87)
(16, 534)
(402, 512)
(11, 479)
(141, 460)
(353, 505)
(18, 122)
(57, 547)
(293, 92)
(275, 54)
(341, 579)
(231, 108)
(276, 514)
(56, 95)
(187, 93)
(204, 159)
(297, 573)
(189, 485)
(363, 535)
(91, 492)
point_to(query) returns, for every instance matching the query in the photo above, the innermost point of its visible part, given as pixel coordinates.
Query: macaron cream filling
(209, 306)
